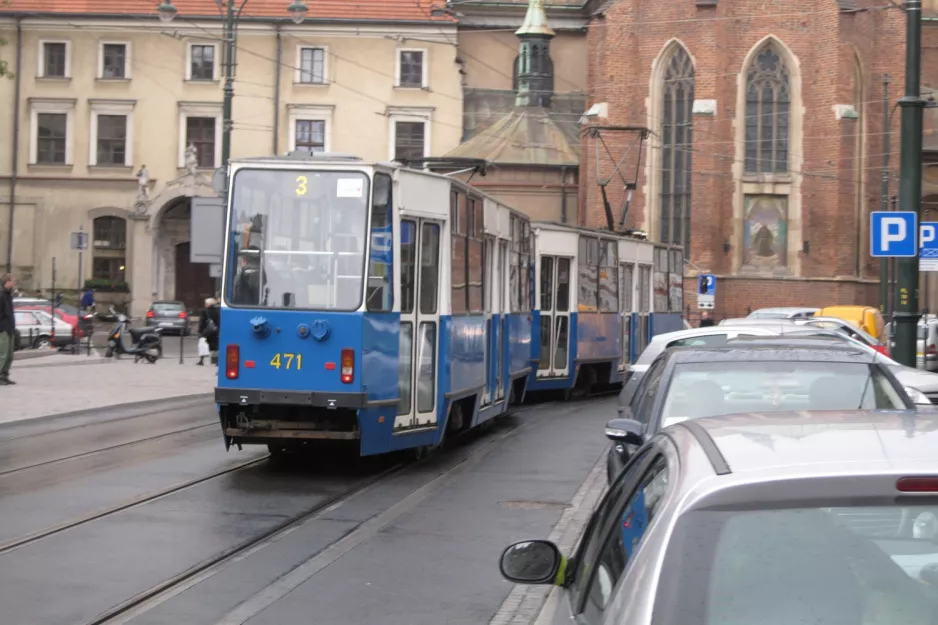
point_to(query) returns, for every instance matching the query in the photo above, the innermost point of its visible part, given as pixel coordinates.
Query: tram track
(22, 541)
(87, 454)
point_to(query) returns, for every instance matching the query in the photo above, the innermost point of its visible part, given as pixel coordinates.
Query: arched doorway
(193, 282)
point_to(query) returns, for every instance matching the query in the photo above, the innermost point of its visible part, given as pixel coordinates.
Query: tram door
(626, 291)
(501, 302)
(488, 255)
(555, 317)
(420, 321)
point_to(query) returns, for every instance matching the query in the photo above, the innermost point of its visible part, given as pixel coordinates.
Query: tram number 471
(285, 361)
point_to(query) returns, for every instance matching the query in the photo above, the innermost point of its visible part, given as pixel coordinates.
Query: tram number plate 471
(287, 361)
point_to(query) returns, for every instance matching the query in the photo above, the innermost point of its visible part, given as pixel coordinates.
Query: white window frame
(41, 67)
(215, 57)
(298, 73)
(112, 107)
(199, 109)
(53, 106)
(425, 68)
(127, 57)
(311, 112)
(409, 114)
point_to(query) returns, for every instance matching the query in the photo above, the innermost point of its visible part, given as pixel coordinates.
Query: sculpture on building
(192, 159)
(143, 184)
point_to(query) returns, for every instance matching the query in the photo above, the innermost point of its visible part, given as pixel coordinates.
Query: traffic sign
(706, 290)
(928, 246)
(79, 240)
(893, 234)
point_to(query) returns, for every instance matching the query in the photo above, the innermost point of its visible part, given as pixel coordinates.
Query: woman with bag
(209, 324)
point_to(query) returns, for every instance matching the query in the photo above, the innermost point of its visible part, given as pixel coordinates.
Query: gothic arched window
(676, 148)
(768, 97)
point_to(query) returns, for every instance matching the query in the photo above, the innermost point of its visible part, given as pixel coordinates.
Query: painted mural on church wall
(765, 232)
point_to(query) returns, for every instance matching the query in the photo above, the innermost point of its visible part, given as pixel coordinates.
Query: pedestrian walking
(87, 300)
(705, 320)
(209, 326)
(7, 328)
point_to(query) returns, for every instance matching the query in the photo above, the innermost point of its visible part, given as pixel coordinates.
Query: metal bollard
(182, 336)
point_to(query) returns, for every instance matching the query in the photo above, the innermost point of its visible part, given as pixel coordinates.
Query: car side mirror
(531, 562)
(626, 430)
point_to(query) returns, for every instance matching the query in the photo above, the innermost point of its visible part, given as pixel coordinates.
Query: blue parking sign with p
(894, 234)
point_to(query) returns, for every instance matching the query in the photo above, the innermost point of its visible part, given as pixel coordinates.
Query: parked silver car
(826, 518)
(783, 312)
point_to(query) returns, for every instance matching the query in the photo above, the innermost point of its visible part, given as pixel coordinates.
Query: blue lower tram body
(289, 389)
(596, 355)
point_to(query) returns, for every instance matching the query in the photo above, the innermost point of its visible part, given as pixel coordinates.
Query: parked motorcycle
(141, 343)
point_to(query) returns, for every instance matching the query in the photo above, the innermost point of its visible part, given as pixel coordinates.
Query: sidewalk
(63, 383)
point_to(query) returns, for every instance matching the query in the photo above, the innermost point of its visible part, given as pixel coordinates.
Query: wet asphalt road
(418, 546)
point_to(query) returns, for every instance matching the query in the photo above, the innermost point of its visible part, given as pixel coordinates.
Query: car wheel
(43, 342)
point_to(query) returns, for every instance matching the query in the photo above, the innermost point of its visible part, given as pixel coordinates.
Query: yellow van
(866, 318)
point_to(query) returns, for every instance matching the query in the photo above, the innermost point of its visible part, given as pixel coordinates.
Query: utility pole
(229, 34)
(910, 183)
(884, 272)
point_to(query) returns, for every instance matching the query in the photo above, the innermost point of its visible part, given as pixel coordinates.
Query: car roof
(788, 351)
(756, 321)
(784, 309)
(680, 334)
(828, 442)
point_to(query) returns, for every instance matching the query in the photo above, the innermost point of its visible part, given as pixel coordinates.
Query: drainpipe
(563, 194)
(277, 71)
(14, 161)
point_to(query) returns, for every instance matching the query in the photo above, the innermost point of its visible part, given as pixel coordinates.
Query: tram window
(408, 263)
(459, 261)
(429, 268)
(608, 296)
(626, 288)
(426, 394)
(405, 368)
(563, 284)
(380, 283)
(588, 271)
(476, 259)
(547, 276)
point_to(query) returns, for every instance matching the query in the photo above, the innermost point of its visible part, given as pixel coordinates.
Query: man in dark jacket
(7, 328)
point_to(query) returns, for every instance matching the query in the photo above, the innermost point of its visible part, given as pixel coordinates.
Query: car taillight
(182, 315)
(232, 362)
(924, 484)
(149, 314)
(348, 366)
(931, 350)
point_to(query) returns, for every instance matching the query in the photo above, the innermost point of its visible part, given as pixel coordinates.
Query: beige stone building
(97, 98)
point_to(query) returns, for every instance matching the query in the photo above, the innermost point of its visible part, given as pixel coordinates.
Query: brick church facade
(766, 146)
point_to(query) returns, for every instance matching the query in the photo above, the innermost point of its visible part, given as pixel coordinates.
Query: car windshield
(167, 307)
(717, 388)
(769, 315)
(823, 566)
(298, 238)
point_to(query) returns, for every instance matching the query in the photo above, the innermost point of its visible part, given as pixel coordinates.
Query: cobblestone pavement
(63, 383)
(529, 604)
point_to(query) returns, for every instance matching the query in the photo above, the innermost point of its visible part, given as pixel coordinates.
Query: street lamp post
(167, 12)
(910, 183)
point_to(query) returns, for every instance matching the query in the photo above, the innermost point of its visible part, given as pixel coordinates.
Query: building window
(409, 140)
(201, 62)
(112, 140)
(411, 69)
(53, 59)
(311, 135)
(768, 97)
(109, 249)
(200, 132)
(312, 66)
(114, 61)
(676, 149)
(52, 138)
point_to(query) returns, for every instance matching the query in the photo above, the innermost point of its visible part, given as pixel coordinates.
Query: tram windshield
(298, 238)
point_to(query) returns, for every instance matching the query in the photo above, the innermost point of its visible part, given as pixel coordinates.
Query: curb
(136, 409)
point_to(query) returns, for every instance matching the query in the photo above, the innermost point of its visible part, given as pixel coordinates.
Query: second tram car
(595, 292)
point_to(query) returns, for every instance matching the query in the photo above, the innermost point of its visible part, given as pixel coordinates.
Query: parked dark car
(170, 316)
(686, 383)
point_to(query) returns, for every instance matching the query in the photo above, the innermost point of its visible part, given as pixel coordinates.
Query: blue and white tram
(368, 302)
(594, 300)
